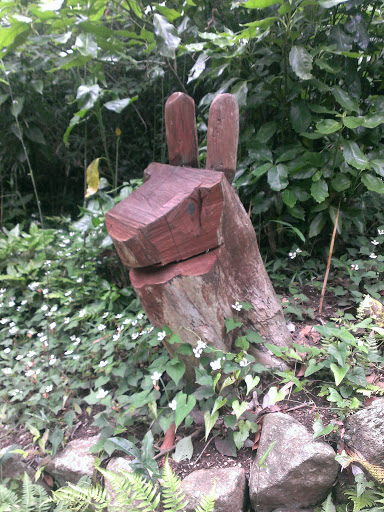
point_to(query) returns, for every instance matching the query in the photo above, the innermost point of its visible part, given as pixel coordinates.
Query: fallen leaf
(301, 371)
(169, 438)
(371, 378)
(48, 479)
(257, 440)
(368, 401)
(274, 408)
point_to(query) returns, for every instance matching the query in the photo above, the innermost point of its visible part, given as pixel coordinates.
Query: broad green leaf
(345, 100)
(231, 324)
(378, 167)
(353, 122)
(50, 5)
(340, 182)
(198, 67)
(266, 132)
(121, 444)
(93, 177)
(278, 177)
(10, 35)
(17, 106)
(56, 437)
(76, 119)
(168, 35)
(373, 120)
(300, 116)
(319, 190)
(327, 4)
(354, 156)
(319, 429)
(87, 45)
(119, 105)
(238, 408)
(297, 211)
(35, 134)
(313, 367)
(184, 405)
(289, 197)
(327, 126)
(219, 402)
(339, 372)
(373, 183)
(147, 446)
(209, 420)
(317, 225)
(170, 14)
(175, 370)
(254, 337)
(260, 4)
(87, 95)
(184, 449)
(301, 62)
(251, 382)
(240, 92)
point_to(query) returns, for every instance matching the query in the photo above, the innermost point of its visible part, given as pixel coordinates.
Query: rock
(364, 432)
(231, 487)
(14, 465)
(116, 464)
(298, 473)
(74, 461)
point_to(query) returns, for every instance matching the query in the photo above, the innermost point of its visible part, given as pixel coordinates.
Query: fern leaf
(207, 503)
(376, 471)
(173, 497)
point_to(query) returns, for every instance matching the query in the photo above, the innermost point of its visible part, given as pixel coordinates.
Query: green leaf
(266, 453)
(87, 95)
(254, 337)
(289, 197)
(353, 122)
(339, 372)
(266, 132)
(170, 14)
(147, 446)
(87, 45)
(238, 408)
(373, 120)
(10, 35)
(219, 402)
(119, 105)
(313, 367)
(184, 449)
(117, 443)
(278, 177)
(93, 177)
(319, 190)
(373, 183)
(327, 126)
(231, 324)
(319, 429)
(301, 62)
(17, 106)
(353, 155)
(209, 420)
(56, 437)
(378, 167)
(317, 225)
(340, 182)
(300, 116)
(167, 34)
(345, 100)
(251, 382)
(175, 370)
(260, 4)
(327, 4)
(184, 405)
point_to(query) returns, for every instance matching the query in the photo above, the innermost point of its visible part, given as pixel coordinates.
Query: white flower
(12, 324)
(127, 321)
(155, 377)
(7, 350)
(76, 342)
(375, 242)
(7, 371)
(373, 255)
(105, 314)
(101, 393)
(68, 293)
(52, 361)
(23, 302)
(173, 405)
(29, 373)
(244, 362)
(79, 280)
(31, 353)
(140, 316)
(116, 336)
(11, 303)
(237, 306)
(161, 335)
(292, 255)
(68, 352)
(216, 365)
(298, 251)
(13, 330)
(354, 267)
(18, 357)
(150, 329)
(82, 312)
(102, 364)
(101, 327)
(67, 320)
(48, 388)
(119, 316)
(15, 392)
(4, 321)
(134, 322)
(45, 291)
(198, 350)
(135, 335)
(38, 371)
(54, 308)
(33, 286)
(52, 325)
(3, 290)
(76, 357)
(380, 231)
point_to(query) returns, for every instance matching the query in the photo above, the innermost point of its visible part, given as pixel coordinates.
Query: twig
(203, 450)
(169, 450)
(329, 261)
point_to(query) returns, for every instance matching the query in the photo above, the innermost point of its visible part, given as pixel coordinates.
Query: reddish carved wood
(223, 135)
(180, 125)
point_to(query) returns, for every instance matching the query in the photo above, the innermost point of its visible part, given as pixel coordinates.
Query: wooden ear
(223, 135)
(180, 125)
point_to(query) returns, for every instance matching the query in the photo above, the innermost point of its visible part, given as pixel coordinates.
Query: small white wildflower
(118, 316)
(101, 393)
(38, 371)
(52, 325)
(373, 255)
(54, 308)
(4, 321)
(52, 361)
(15, 392)
(292, 255)
(12, 324)
(76, 357)
(354, 267)
(115, 337)
(7, 350)
(140, 316)
(127, 321)
(375, 242)
(18, 308)
(172, 405)
(48, 388)
(67, 320)
(79, 280)
(76, 342)
(82, 313)
(135, 335)
(11, 303)
(244, 362)
(161, 335)
(29, 373)
(298, 251)
(237, 306)
(33, 286)
(68, 352)
(45, 291)
(102, 364)
(13, 330)
(7, 371)
(134, 322)
(150, 329)
(105, 314)
(2, 290)
(380, 231)
(216, 365)
(72, 338)
(155, 377)
(31, 353)
(68, 293)
(23, 302)
(18, 357)
(101, 327)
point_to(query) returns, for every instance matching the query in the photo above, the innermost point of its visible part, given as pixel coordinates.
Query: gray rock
(364, 432)
(231, 488)
(74, 461)
(12, 466)
(299, 472)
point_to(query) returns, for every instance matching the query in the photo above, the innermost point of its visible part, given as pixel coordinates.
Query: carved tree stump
(189, 242)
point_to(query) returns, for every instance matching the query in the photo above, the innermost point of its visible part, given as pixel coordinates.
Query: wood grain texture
(180, 126)
(174, 215)
(223, 135)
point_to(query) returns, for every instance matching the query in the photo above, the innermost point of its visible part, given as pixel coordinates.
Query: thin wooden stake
(329, 261)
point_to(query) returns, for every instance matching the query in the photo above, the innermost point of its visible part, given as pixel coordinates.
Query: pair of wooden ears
(222, 136)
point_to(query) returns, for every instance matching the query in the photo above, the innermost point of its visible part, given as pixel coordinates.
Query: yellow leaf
(93, 178)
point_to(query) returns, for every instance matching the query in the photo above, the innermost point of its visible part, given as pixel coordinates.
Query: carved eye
(191, 208)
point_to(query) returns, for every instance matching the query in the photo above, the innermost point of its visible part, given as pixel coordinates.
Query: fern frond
(80, 497)
(376, 471)
(207, 503)
(8, 497)
(366, 499)
(173, 497)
